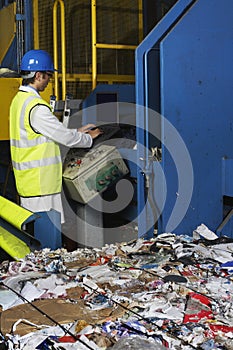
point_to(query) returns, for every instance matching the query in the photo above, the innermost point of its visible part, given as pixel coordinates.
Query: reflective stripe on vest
(36, 159)
(36, 163)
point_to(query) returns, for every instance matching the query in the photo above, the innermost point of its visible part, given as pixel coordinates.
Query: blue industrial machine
(184, 72)
(184, 121)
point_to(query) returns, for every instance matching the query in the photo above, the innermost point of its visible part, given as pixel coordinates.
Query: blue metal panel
(93, 109)
(195, 45)
(28, 18)
(148, 96)
(47, 229)
(196, 90)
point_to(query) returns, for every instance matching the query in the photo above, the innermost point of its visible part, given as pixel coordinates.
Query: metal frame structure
(96, 45)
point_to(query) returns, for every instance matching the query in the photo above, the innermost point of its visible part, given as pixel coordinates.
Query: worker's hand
(95, 132)
(87, 127)
(91, 129)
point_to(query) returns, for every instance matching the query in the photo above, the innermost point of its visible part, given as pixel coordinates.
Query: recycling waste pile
(171, 291)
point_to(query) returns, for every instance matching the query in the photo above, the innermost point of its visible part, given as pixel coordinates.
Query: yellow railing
(93, 76)
(63, 48)
(96, 45)
(36, 24)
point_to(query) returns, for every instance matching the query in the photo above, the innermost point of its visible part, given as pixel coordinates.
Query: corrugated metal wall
(117, 23)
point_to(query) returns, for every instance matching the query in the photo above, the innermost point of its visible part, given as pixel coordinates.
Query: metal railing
(96, 45)
(63, 48)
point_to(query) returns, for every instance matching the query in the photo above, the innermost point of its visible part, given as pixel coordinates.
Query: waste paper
(168, 292)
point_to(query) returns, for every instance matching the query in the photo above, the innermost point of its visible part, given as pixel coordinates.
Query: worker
(35, 135)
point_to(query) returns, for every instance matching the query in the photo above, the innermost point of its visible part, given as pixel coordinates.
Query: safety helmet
(37, 60)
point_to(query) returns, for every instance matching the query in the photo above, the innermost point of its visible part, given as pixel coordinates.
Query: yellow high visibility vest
(36, 160)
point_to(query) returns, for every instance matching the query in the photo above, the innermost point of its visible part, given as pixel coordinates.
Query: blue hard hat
(37, 60)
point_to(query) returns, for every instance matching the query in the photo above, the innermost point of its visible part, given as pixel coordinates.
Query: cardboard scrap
(60, 310)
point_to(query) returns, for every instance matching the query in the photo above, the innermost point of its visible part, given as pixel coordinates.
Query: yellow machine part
(13, 213)
(8, 89)
(16, 248)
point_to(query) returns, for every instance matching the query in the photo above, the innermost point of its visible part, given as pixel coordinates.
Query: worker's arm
(46, 123)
